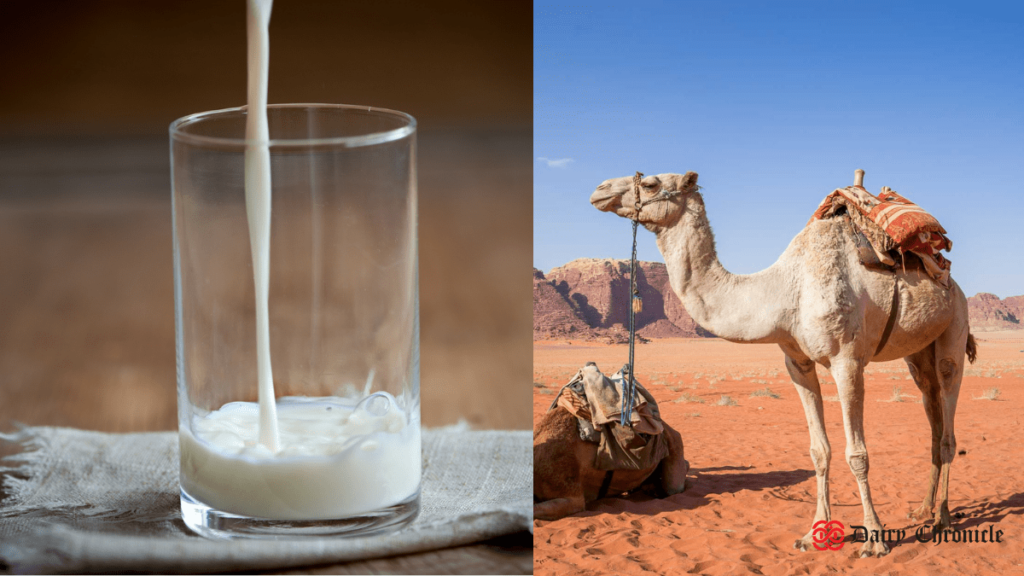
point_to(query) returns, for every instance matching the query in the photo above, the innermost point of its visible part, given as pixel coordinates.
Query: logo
(828, 535)
(954, 535)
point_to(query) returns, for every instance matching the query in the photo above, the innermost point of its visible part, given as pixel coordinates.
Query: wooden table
(87, 309)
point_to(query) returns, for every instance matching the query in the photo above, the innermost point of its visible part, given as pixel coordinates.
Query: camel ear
(687, 181)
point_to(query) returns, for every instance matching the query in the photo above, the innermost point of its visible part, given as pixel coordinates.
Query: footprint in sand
(701, 567)
(586, 532)
(906, 555)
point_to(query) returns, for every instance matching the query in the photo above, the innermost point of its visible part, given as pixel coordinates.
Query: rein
(635, 303)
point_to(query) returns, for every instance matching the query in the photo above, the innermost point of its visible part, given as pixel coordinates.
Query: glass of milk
(306, 421)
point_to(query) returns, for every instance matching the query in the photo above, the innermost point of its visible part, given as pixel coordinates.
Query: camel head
(662, 197)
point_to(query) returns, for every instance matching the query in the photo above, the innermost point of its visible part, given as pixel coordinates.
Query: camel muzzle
(606, 199)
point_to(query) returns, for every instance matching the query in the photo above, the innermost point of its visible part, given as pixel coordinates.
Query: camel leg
(805, 378)
(558, 508)
(557, 451)
(922, 368)
(673, 467)
(849, 377)
(949, 367)
(559, 492)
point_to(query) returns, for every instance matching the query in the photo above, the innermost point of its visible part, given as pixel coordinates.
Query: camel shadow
(707, 483)
(700, 484)
(974, 515)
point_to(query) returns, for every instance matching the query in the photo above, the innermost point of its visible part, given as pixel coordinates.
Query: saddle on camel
(894, 227)
(582, 451)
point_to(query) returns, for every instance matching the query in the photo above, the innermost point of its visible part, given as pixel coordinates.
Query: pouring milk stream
(257, 205)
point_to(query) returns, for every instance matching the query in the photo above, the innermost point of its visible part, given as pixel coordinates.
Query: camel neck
(689, 251)
(741, 308)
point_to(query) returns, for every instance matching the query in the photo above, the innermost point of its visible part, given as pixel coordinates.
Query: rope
(628, 383)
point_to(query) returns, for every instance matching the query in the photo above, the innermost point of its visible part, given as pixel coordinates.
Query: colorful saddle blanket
(906, 226)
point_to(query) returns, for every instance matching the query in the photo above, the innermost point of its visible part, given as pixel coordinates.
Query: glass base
(213, 523)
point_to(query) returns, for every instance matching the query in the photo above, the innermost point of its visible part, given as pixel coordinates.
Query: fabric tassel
(638, 304)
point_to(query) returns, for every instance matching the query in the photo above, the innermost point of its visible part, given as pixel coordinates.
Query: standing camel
(822, 305)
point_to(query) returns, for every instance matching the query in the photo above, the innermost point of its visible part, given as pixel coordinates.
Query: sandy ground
(753, 487)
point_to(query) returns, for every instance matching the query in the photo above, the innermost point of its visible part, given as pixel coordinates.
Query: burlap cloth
(78, 501)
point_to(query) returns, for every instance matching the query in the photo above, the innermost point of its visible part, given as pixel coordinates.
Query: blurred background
(87, 91)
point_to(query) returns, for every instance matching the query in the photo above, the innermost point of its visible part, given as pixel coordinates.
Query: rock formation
(553, 315)
(988, 313)
(595, 292)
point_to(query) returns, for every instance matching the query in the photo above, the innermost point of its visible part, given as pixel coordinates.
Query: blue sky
(775, 104)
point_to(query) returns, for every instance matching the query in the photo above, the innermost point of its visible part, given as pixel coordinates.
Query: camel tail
(972, 348)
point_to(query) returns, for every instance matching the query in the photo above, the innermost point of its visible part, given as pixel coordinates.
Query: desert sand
(753, 487)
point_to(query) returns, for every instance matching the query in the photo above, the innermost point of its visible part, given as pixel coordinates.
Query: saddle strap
(893, 310)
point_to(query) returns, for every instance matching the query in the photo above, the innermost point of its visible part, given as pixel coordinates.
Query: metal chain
(628, 382)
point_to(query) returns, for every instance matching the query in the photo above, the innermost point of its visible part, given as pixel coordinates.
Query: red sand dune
(753, 489)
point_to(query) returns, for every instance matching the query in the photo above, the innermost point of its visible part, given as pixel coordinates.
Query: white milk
(301, 458)
(336, 459)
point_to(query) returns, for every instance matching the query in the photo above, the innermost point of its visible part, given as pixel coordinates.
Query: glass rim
(178, 132)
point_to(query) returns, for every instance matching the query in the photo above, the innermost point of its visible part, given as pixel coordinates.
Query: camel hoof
(875, 549)
(921, 513)
(804, 544)
(942, 520)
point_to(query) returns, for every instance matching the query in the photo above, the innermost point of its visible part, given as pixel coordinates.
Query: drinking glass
(343, 323)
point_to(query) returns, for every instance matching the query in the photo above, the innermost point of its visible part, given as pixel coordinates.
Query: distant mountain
(594, 293)
(587, 299)
(553, 315)
(988, 313)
